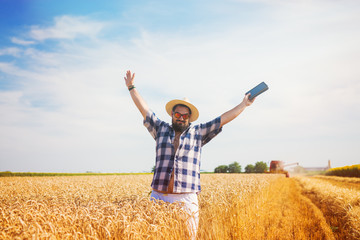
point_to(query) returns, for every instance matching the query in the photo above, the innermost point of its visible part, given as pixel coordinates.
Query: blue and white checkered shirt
(186, 160)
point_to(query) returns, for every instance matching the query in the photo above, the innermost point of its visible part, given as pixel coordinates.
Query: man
(178, 148)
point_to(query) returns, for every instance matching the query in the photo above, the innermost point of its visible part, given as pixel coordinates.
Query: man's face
(179, 123)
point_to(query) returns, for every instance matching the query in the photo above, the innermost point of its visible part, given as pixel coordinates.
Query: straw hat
(185, 101)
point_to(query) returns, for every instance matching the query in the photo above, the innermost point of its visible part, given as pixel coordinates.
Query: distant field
(232, 206)
(346, 171)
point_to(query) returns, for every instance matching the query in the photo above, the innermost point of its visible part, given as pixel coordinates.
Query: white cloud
(67, 27)
(12, 51)
(21, 41)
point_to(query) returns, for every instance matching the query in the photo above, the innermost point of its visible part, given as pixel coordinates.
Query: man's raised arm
(138, 100)
(233, 113)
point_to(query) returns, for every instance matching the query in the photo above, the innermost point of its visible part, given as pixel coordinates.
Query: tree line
(235, 167)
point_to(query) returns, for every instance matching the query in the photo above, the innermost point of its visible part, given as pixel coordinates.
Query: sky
(64, 106)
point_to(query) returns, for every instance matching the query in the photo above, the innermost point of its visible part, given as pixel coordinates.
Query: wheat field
(232, 206)
(339, 200)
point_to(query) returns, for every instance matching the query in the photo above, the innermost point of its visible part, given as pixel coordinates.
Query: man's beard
(179, 127)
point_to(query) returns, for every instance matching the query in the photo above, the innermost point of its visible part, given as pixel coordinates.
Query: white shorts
(191, 206)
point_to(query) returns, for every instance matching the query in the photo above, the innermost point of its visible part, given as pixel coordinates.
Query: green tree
(153, 169)
(234, 167)
(260, 167)
(249, 168)
(221, 169)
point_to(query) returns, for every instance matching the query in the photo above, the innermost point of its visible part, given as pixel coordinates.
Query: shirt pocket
(191, 145)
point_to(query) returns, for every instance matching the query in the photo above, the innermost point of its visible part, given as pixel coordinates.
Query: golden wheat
(343, 182)
(276, 210)
(85, 207)
(340, 205)
(340, 179)
(232, 206)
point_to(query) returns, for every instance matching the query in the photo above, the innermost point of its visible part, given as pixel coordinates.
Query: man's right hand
(129, 79)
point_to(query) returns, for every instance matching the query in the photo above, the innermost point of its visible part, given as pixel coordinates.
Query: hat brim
(194, 112)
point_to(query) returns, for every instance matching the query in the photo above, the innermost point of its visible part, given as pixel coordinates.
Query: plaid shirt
(186, 160)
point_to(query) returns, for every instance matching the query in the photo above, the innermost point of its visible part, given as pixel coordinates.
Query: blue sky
(64, 106)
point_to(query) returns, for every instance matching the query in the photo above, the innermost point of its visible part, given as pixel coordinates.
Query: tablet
(256, 91)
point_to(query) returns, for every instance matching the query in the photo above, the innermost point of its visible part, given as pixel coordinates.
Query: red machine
(278, 167)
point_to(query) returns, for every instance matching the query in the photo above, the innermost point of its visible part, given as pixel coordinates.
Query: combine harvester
(277, 166)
